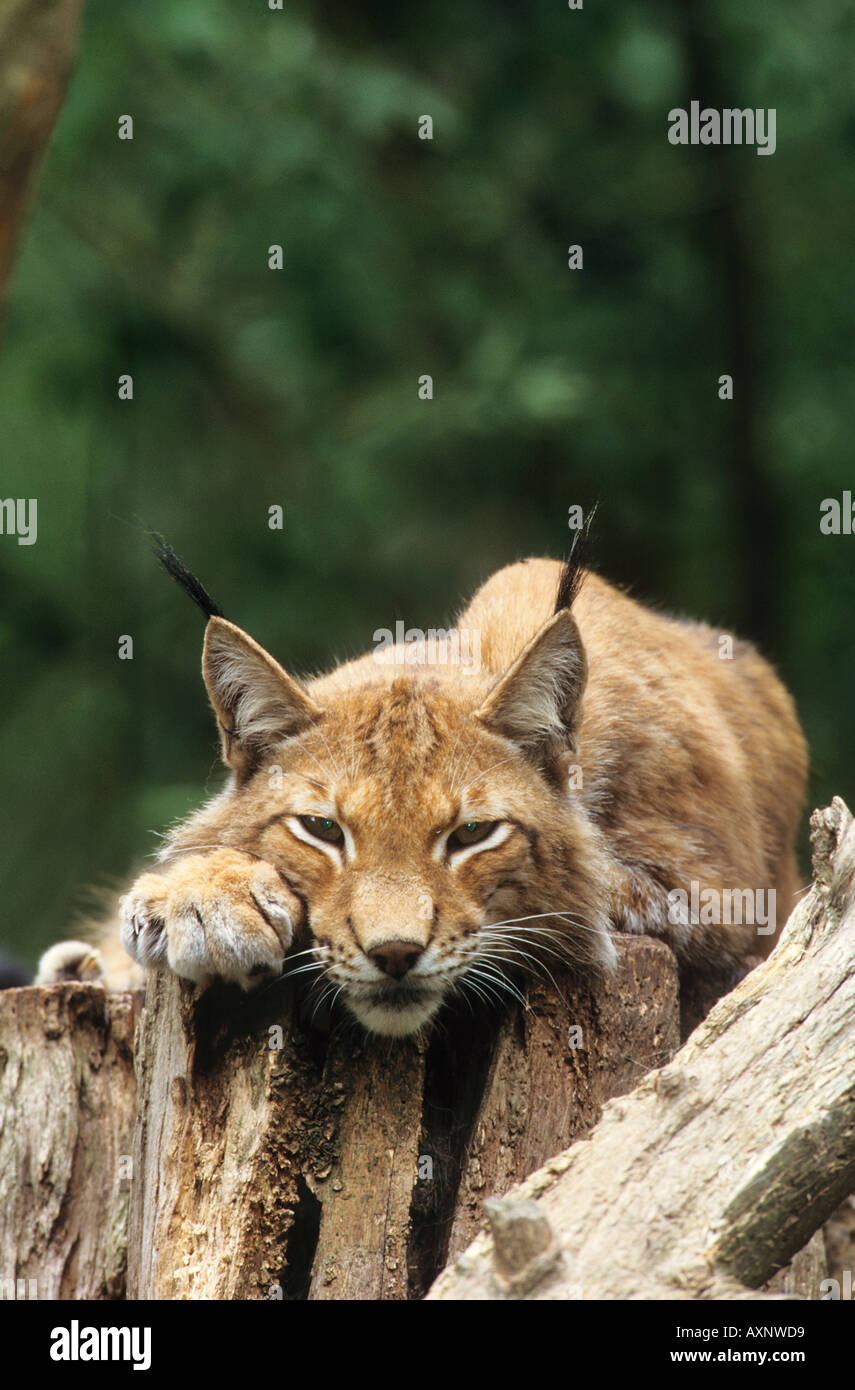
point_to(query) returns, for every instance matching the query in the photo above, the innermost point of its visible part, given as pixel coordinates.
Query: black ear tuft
(176, 567)
(575, 564)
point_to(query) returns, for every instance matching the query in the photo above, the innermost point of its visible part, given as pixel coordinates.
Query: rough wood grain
(840, 1247)
(67, 1106)
(367, 1196)
(577, 1045)
(719, 1167)
(251, 1130)
(803, 1276)
(274, 1161)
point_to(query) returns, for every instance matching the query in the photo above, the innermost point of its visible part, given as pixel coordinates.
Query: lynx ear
(257, 704)
(536, 702)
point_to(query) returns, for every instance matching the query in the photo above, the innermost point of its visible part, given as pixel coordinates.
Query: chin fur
(381, 1015)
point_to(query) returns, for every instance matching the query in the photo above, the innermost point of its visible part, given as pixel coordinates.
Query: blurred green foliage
(403, 257)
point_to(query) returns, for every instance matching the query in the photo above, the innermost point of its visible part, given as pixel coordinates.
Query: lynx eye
(323, 828)
(470, 832)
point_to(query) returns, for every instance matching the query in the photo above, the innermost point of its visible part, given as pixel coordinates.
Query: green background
(405, 257)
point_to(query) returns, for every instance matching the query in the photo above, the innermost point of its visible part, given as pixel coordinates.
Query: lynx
(402, 832)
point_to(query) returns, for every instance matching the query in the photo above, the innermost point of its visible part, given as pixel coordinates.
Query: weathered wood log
(37, 47)
(271, 1161)
(67, 1111)
(717, 1169)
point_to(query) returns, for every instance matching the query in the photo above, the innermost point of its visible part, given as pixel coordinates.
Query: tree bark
(38, 39)
(271, 1161)
(67, 1110)
(717, 1169)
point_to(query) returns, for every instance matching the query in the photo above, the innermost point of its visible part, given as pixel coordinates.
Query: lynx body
(404, 830)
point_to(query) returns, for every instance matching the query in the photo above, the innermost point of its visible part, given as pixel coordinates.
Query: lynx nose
(395, 958)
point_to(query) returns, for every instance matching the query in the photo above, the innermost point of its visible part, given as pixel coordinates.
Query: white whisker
(361, 754)
(310, 754)
(310, 951)
(449, 773)
(484, 772)
(329, 750)
(499, 979)
(469, 982)
(313, 782)
(181, 850)
(567, 915)
(304, 969)
(468, 761)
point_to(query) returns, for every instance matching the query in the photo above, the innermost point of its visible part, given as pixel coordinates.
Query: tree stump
(67, 1113)
(271, 1161)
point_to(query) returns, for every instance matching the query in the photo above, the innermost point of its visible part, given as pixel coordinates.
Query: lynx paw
(222, 915)
(70, 960)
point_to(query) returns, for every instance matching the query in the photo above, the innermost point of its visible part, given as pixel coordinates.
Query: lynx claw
(209, 917)
(143, 932)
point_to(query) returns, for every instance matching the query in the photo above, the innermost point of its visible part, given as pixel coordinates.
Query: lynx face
(431, 840)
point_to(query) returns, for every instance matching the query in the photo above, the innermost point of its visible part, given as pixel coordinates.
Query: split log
(67, 1111)
(718, 1168)
(38, 39)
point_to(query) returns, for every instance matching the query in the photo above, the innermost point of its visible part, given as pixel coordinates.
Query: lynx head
(424, 821)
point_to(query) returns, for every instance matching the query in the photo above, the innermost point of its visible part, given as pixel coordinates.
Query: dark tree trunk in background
(38, 39)
(755, 517)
